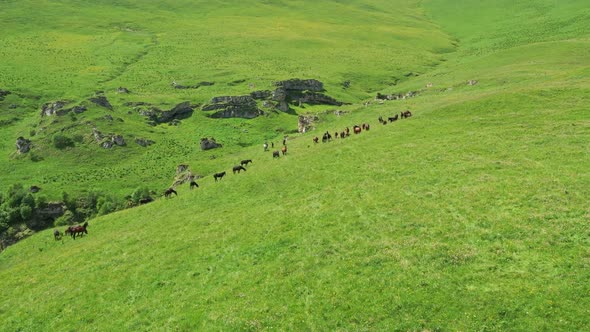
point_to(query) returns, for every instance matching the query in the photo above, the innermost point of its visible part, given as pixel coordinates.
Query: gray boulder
(102, 101)
(23, 145)
(209, 143)
(181, 111)
(233, 107)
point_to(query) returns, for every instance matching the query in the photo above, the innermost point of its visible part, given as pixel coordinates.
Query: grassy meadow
(472, 215)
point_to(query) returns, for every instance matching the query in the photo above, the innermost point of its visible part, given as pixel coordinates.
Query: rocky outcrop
(52, 108)
(108, 141)
(157, 116)
(233, 107)
(144, 142)
(296, 84)
(118, 140)
(3, 94)
(102, 101)
(398, 96)
(209, 143)
(23, 145)
(305, 122)
(58, 108)
(34, 189)
(262, 94)
(298, 91)
(181, 111)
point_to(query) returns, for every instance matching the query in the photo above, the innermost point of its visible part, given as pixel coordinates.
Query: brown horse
(238, 168)
(169, 192)
(77, 230)
(276, 154)
(315, 139)
(357, 129)
(57, 235)
(218, 175)
(406, 114)
(284, 150)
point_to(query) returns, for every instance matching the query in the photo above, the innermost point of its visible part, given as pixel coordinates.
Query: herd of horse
(80, 230)
(73, 231)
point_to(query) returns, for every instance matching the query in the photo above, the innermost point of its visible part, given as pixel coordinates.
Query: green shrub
(61, 141)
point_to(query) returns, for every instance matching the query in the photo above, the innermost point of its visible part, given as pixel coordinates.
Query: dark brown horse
(315, 139)
(284, 150)
(194, 185)
(146, 200)
(238, 168)
(219, 175)
(169, 192)
(245, 162)
(57, 235)
(393, 118)
(357, 129)
(276, 154)
(77, 230)
(406, 114)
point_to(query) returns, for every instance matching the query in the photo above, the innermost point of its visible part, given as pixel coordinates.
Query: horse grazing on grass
(238, 168)
(284, 150)
(77, 230)
(245, 162)
(393, 118)
(276, 154)
(406, 114)
(57, 235)
(194, 184)
(357, 129)
(219, 175)
(169, 192)
(315, 139)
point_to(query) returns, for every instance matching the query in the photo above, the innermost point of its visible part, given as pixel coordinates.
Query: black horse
(194, 184)
(169, 192)
(238, 168)
(276, 154)
(218, 176)
(57, 235)
(393, 118)
(245, 162)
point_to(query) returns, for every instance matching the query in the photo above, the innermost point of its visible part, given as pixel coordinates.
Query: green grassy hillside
(470, 215)
(62, 50)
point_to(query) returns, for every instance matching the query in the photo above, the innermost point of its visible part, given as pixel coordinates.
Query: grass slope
(471, 215)
(63, 50)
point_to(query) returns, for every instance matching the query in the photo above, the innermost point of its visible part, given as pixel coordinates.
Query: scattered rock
(108, 117)
(123, 90)
(118, 140)
(472, 82)
(398, 96)
(429, 85)
(102, 101)
(52, 108)
(346, 84)
(23, 145)
(12, 106)
(305, 122)
(144, 142)
(107, 144)
(34, 189)
(209, 143)
(98, 136)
